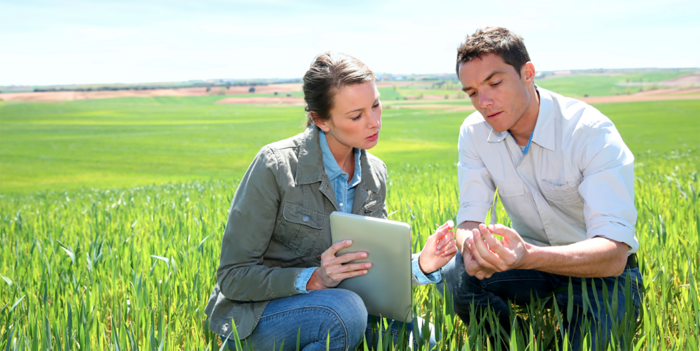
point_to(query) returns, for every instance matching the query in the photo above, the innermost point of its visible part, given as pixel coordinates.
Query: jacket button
(305, 218)
(318, 258)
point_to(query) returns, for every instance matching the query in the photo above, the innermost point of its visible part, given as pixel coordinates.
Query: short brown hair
(494, 40)
(329, 72)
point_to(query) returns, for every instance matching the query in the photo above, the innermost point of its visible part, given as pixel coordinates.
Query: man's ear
(528, 72)
(319, 122)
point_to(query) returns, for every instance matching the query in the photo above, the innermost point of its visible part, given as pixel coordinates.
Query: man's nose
(485, 100)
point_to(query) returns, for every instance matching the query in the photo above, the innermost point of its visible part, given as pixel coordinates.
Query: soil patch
(261, 100)
(58, 96)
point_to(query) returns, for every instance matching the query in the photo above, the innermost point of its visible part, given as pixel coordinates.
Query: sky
(108, 41)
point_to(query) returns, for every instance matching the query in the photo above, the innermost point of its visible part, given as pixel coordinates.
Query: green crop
(98, 263)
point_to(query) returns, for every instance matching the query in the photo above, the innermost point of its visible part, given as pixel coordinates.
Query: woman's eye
(357, 117)
(376, 105)
(497, 83)
(472, 94)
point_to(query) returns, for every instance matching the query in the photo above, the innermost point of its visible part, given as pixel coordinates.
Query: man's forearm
(596, 257)
(464, 231)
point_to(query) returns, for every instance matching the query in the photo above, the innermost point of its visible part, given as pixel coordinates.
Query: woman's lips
(373, 137)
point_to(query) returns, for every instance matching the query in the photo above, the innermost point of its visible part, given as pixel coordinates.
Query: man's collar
(543, 134)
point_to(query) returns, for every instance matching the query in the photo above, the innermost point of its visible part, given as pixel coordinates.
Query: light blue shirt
(345, 195)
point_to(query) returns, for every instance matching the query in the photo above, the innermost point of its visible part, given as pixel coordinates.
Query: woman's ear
(319, 122)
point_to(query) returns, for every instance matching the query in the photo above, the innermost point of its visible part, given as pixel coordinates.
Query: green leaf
(7, 280)
(70, 254)
(164, 259)
(17, 303)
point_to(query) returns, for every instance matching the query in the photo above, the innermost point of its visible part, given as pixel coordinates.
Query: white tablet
(386, 288)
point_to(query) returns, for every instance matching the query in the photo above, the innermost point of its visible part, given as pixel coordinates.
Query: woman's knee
(350, 312)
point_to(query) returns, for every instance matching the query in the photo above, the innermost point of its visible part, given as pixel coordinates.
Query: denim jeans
(336, 316)
(518, 286)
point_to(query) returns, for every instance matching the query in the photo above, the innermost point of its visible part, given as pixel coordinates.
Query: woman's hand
(333, 271)
(439, 249)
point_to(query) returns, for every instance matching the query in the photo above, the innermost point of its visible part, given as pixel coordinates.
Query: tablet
(386, 288)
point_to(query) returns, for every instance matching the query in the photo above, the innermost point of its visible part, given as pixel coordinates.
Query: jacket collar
(544, 133)
(310, 167)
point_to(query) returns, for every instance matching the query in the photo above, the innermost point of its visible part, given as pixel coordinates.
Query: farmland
(112, 212)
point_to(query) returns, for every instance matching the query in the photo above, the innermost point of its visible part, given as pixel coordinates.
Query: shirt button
(341, 204)
(305, 218)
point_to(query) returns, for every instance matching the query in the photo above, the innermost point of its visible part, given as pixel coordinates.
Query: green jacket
(279, 224)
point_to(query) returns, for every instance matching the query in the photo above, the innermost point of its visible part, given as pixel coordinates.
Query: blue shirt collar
(331, 166)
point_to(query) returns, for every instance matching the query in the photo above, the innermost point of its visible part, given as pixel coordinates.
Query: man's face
(496, 89)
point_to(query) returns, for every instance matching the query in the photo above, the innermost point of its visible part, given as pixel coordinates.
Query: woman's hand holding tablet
(333, 269)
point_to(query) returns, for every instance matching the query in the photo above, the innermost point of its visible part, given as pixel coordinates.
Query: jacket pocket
(296, 213)
(561, 191)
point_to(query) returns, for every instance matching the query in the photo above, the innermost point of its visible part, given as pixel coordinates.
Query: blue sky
(68, 42)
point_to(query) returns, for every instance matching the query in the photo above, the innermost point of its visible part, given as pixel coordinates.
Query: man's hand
(439, 249)
(499, 256)
(333, 270)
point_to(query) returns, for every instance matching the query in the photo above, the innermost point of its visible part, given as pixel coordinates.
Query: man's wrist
(531, 258)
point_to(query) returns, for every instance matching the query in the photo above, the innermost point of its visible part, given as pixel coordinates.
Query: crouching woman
(278, 268)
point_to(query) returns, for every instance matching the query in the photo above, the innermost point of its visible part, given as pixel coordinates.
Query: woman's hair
(328, 73)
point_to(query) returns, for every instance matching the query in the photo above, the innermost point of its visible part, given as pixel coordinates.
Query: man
(566, 180)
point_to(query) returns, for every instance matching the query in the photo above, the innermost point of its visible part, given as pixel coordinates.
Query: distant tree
(289, 95)
(275, 93)
(208, 89)
(251, 90)
(228, 85)
(222, 91)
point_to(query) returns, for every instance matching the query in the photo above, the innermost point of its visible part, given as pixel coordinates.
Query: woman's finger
(343, 269)
(335, 248)
(348, 257)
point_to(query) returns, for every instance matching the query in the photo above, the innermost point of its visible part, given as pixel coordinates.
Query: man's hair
(328, 73)
(494, 40)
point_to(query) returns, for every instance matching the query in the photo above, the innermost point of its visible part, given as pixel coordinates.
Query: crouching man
(566, 180)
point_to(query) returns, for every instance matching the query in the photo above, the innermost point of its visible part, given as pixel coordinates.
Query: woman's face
(356, 117)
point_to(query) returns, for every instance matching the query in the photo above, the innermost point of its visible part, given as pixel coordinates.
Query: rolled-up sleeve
(241, 275)
(476, 187)
(607, 188)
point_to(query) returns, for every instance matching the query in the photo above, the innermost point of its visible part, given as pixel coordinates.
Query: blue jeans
(335, 315)
(518, 286)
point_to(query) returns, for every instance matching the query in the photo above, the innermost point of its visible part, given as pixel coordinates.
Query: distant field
(600, 85)
(136, 141)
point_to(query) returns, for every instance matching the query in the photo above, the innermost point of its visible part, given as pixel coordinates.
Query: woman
(278, 268)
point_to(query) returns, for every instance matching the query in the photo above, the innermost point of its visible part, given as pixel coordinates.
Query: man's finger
(504, 231)
(495, 245)
(482, 254)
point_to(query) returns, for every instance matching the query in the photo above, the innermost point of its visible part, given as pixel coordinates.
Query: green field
(112, 212)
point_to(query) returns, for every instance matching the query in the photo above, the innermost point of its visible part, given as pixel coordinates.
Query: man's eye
(375, 105)
(497, 83)
(472, 94)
